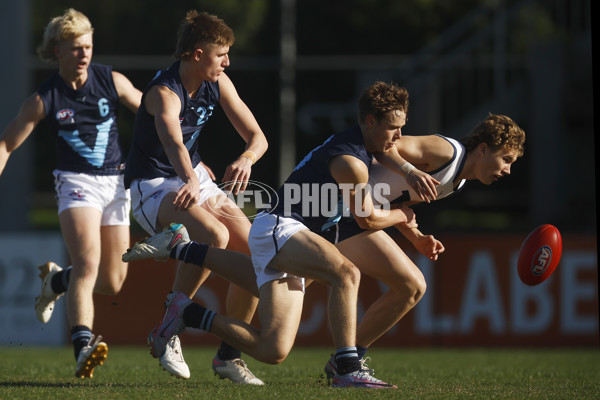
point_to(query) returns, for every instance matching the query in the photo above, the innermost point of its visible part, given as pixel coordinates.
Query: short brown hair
(201, 28)
(380, 99)
(68, 26)
(497, 131)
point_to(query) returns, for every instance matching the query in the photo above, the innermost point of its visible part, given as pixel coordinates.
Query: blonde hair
(68, 26)
(201, 28)
(498, 132)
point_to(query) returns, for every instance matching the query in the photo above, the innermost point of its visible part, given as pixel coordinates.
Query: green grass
(131, 373)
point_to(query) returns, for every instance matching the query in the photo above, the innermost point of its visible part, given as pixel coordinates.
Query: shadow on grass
(65, 385)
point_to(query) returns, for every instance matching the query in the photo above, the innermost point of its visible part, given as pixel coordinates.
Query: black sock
(190, 252)
(196, 316)
(362, 351)
(60, 281)
(347, 360)
(80, 336)
(226, 352)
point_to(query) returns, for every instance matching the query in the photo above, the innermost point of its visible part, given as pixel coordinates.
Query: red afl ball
(539, 254)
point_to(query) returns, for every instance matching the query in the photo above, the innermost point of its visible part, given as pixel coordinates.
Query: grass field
(131, 373)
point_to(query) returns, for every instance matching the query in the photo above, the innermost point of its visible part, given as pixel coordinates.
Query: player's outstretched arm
(246, 125)
(19, 129)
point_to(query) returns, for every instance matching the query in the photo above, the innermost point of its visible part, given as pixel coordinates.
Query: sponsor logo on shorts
(155, 195)
(77, 194)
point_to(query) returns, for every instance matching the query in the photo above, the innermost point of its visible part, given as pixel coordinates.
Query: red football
(539, 254)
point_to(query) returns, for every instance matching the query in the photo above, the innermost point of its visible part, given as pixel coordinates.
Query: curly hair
(497, 131)
(381, 98)
(201, 28)
(68, 26)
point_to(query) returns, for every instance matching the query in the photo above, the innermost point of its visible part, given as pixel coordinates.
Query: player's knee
(85, 270)
(350, 274)
(273, 359)
(111, 286)
(416, 289)
(107, 289)
(273, 348)
(218, 236)
(275, 355)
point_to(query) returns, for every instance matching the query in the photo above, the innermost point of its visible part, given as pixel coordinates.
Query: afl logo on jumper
(65, 116)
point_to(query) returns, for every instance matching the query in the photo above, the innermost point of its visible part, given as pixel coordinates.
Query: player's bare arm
(246, 125)
(165, 106)
(427, 245)
(129, 95)
(348, 170)
(427, 153)
(18, 130)
(422, 183)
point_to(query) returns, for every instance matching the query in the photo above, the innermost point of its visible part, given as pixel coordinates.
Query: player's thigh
(279, 312)
(234, 219)
(308, 255)
(115, 241)
(80, 228)
(376, 254)
(202, 226)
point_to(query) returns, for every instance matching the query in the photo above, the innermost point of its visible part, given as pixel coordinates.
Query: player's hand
(237, 175)
(429, 246)
(422, 183)
(211, 174)
(188, 194)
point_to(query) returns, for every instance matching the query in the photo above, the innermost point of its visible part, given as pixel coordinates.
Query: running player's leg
(114, 236)
(112, 272)
(206, 229)
(152, 206)
(240, 304)
(303, 253)
(376, 254)
(202, 227)
(283, 246)
(81, 230)
(270, 345)
(279, 312)
(308, 255)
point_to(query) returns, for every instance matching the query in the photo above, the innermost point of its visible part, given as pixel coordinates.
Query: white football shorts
(106, 193)
(268, 233)
(148, 194)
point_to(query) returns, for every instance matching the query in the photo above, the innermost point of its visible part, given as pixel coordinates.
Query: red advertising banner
(474, 298)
